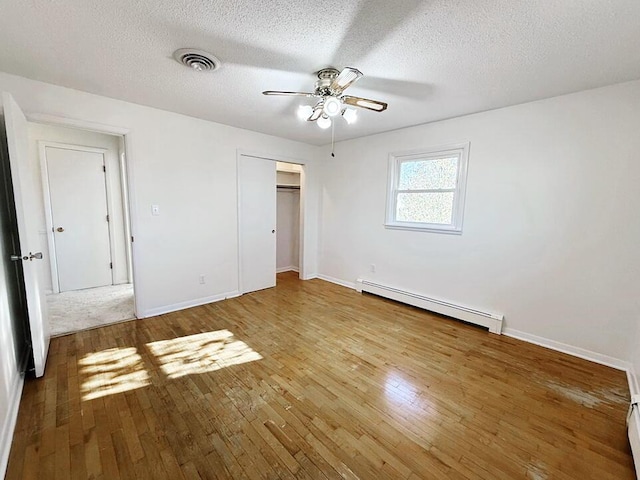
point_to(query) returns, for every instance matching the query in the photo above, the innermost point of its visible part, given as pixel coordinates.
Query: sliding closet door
(256, 223)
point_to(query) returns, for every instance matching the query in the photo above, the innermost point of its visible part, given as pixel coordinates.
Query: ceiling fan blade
(317, 112)
(345, 78)
(288, 94)
(374, 105)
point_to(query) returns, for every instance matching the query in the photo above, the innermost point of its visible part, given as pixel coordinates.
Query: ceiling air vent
(197, 59)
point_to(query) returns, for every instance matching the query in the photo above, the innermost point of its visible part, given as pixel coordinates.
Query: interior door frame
(302, 273)
(48, 210)
(129, 170)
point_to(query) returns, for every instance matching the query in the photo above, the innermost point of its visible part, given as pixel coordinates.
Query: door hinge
(131, 238)
(107, 217)
(104, 168)
(111, 265)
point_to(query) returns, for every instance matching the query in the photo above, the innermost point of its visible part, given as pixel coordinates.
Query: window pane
(428, 174)
(425, 207)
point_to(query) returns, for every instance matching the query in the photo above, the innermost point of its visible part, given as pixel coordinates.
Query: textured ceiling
(428, 59)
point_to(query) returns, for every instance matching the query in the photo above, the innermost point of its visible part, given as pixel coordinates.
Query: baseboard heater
(491, 321)
(633, 431)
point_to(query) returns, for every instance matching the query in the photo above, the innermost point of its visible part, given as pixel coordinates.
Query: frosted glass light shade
(324, 122)
(350, 115)
(332, 106)
(304, 111)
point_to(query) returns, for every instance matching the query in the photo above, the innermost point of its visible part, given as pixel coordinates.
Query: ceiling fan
(329, 89)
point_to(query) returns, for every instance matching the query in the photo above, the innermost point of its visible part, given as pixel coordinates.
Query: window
(426, 189)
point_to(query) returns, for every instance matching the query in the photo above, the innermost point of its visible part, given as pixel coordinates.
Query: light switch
(155, 209)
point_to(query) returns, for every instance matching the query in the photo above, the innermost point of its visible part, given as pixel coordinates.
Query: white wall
(40, 132)
(287, 229)
(186, 166)
(551, 229)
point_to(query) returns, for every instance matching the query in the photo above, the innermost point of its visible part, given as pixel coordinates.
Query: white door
(26, 184)
(257, 223)
(78, 199)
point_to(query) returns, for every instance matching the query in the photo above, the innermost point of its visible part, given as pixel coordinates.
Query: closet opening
(288, 217)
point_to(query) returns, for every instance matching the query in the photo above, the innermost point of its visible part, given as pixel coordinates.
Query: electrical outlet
(155, 209)
(372, 268)
(202, 279)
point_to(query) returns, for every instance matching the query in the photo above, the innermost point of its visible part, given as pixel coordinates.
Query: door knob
(60, 229)
(32, 256)
(273, 231)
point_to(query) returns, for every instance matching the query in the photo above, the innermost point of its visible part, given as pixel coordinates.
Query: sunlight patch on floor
(200, 353)
(110, 371)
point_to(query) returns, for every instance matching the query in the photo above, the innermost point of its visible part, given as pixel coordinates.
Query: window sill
(424, 228)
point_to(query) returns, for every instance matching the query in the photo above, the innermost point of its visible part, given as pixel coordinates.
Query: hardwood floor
(313, 380)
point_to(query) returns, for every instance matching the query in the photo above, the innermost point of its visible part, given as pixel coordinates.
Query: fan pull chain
(333, 136)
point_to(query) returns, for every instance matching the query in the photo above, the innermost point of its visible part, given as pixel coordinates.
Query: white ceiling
(428, 59)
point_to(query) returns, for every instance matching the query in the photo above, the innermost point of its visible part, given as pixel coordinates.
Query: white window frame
(461, 150)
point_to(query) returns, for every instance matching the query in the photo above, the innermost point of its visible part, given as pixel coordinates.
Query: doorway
(89, 272)
(287, 217)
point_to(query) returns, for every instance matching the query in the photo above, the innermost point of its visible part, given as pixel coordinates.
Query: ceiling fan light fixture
(350, 115)
(324, 122)
(304, 112)
(330, 98)
(332, 106)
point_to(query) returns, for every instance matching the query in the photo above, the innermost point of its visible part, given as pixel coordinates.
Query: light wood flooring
(313, 380)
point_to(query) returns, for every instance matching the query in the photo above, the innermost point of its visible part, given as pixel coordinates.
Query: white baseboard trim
(290, 268)
(337, 281)
(9, 425)
(153, 312)
(632, 378)
(612, 362)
